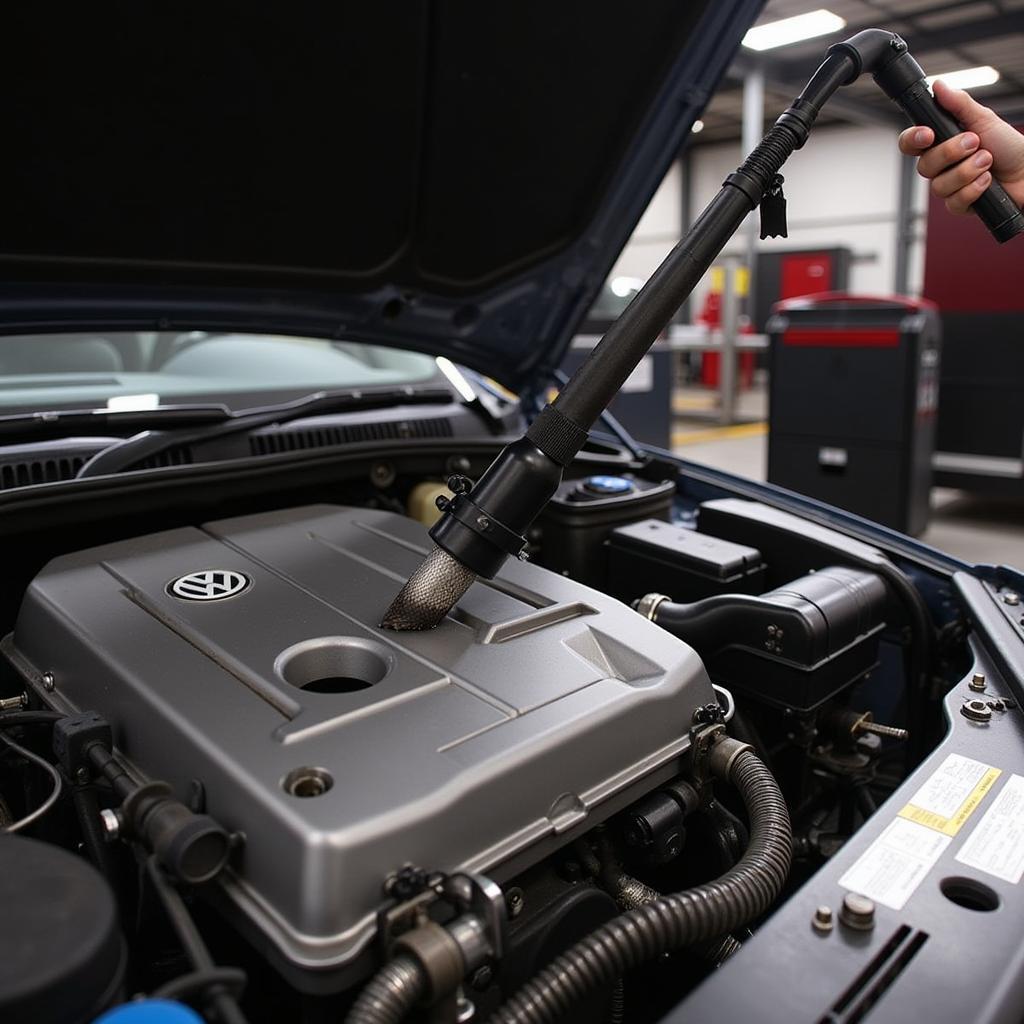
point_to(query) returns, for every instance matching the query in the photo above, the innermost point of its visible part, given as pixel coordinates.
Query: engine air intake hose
(679, 919)
(391, 994)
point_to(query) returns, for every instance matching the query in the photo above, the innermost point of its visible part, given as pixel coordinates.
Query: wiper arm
(149, 443)
(59, 422)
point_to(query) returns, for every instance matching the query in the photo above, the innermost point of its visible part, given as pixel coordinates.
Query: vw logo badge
(209, 585)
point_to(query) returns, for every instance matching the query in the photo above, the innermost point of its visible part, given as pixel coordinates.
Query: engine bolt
(882, 730)
(14, 703)
(514, 902)
(977, 682)
(1011, 598)
(821, 921)
(48, 682)
(111, 822)
(482, 978)
(857, 912)
(382, 474)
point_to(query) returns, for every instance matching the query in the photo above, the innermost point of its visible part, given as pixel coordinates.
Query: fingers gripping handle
(904, 82)
(999, 212)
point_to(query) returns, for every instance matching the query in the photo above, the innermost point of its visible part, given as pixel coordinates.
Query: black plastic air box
(657, 557)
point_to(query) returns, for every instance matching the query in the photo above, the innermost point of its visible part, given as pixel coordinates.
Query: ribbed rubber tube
(394, 991)
(672, 921)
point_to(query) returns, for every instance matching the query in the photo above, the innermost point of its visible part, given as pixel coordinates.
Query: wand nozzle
(486, 522)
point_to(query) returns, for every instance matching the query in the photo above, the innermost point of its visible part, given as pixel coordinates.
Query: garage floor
(973, 528)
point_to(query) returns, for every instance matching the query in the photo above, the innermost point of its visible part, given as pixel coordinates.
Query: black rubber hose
(87, 809)
(679, 919)
(221, 1000)
(8, 718)
(631, 893)
(394, 991)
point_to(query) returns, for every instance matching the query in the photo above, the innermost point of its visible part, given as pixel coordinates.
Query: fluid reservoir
(62, 957)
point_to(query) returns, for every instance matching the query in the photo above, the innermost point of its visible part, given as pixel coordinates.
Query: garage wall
(841, 189)
(658, 230)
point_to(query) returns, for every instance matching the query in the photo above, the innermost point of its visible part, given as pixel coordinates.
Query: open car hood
(453, 177)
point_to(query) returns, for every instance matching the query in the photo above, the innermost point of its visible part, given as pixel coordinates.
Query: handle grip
(998, 211)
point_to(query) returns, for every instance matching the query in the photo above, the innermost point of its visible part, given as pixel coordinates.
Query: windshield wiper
(59, 422)
(149, 443)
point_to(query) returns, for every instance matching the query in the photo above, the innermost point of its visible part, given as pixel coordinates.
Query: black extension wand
(483, 525)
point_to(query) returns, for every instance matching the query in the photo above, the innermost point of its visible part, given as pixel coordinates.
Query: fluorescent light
(698, 126)
(967, 78)
(623, 286)
(793, 30)
(456, 378)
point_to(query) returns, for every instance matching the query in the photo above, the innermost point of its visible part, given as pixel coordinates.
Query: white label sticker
(951, 794)
(895, 864)
(996, 846)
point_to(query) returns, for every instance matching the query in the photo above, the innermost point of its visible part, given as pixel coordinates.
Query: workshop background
(894, 329)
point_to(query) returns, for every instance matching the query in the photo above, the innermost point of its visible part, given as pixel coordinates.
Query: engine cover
(246, 654)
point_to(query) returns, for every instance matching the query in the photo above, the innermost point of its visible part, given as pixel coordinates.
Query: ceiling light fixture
(793, 30)
(698, 126)
(967, 78)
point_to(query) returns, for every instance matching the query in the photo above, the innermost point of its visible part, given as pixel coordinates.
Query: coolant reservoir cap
(62, 957)
(608, 486)
(150, 1011)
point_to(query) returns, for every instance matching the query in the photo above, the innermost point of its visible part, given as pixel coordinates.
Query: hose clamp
(439, 955)
(448, 952)
(482, 522)
(649, 604)
(722, 756)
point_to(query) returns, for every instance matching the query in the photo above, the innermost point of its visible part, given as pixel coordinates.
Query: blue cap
(150, 1011)
(608, 485)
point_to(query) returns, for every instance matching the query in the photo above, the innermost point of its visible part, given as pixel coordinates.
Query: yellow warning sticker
(951, 795)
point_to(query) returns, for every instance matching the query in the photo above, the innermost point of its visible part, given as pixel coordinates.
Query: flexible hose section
(392, 993)
(672, 921)
(638, 936)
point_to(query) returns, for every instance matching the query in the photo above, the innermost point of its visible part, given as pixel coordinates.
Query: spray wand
(485, 523)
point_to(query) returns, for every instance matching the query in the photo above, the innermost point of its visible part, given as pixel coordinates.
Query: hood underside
(456, 177)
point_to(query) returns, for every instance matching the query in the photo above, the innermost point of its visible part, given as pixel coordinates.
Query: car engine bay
(236, 733)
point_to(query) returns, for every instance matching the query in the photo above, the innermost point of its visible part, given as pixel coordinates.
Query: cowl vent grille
(177, 456)
(39, 471)
(290, 440)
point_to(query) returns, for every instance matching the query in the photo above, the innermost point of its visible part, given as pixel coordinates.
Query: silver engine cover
(536, 709)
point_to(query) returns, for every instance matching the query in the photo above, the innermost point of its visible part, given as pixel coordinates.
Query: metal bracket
(703, 736)
(478, 924)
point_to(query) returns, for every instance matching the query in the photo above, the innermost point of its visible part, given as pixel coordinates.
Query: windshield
(147, 369)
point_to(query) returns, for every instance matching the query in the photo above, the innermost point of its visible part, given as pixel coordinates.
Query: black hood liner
(410, 152)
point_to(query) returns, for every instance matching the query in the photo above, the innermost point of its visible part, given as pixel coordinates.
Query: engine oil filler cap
(57, 902)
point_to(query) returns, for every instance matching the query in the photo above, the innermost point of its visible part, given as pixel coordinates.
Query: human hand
(961, 168)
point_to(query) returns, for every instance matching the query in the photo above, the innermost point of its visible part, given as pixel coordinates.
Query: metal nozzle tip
(430, 594)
